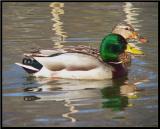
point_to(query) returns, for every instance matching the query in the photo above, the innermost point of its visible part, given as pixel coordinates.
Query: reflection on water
(116, 101)
(57, 11)
(131, 15)
(71, 109)
(113, 94)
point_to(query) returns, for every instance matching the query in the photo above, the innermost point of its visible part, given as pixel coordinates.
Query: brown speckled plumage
(125, 57)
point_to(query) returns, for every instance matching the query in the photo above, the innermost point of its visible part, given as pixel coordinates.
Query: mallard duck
(128, 32)
(82, 62)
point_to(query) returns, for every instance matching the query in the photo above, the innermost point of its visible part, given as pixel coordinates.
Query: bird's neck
(119, 70)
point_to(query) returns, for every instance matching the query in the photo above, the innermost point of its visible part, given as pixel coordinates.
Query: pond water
(29, 101)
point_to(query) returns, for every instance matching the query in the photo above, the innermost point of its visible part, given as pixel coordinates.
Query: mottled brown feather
(124, 57)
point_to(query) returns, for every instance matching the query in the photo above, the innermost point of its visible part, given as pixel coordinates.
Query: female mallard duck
(82, 62)
(128, 32)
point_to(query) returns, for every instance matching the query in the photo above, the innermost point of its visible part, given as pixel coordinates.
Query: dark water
(29, 101)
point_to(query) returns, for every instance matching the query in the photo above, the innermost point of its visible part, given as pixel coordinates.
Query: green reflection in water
(115, 100)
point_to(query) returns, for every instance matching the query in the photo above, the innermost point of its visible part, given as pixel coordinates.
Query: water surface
(29, 101)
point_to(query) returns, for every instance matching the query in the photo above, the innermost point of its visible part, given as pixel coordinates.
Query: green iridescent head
(111, 47)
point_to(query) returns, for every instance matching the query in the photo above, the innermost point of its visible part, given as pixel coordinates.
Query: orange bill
(135, 35)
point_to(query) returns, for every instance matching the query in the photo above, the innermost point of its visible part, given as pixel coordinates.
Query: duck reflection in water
(115, 92)
(110, 94)
(115, 99)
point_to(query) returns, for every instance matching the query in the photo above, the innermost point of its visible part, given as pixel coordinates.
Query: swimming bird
(128, 32)
(84, 62)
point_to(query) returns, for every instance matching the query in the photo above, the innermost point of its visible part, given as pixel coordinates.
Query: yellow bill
(134, 50)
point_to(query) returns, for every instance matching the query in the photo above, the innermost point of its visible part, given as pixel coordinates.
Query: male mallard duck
(82, 62)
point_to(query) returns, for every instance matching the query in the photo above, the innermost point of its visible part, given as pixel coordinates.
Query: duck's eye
(126, 28)
(115, 48)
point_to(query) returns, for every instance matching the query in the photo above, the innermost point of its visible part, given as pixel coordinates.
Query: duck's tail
(30, 65)
(27, 68)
